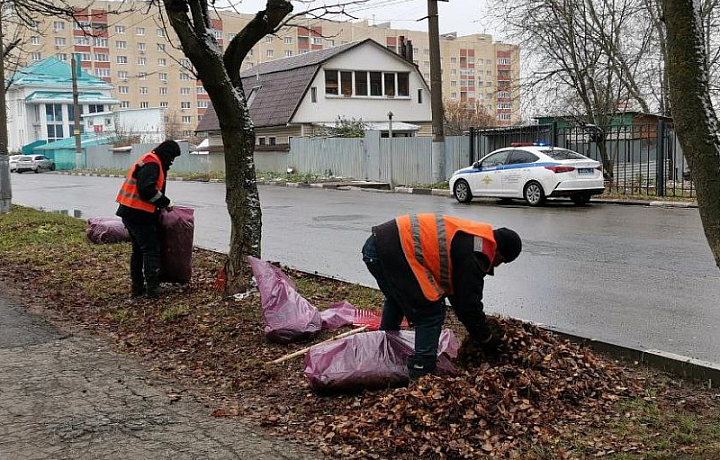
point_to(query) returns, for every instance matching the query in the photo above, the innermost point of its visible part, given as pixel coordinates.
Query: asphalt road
(636, 276)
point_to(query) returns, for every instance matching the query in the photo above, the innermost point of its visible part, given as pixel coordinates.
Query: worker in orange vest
(141, 198)
(419, 260)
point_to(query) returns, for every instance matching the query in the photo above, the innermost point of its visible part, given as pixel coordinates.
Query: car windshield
(563, 154)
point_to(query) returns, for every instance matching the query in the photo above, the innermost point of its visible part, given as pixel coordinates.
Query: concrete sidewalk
(71, 397)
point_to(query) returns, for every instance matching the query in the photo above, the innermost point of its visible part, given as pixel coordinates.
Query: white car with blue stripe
(532, 172)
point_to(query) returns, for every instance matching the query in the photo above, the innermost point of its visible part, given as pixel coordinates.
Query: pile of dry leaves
(515, 396)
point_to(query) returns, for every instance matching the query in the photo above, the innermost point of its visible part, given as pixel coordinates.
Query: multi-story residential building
(131, 48)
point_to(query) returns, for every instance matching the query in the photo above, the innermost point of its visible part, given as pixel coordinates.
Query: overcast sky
(462, 16)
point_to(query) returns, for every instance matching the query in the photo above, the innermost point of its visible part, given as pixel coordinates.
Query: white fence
(402, 160)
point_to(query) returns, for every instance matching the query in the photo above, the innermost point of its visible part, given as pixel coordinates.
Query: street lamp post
(390, 149)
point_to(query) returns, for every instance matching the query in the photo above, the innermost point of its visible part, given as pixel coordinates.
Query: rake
(365, 320)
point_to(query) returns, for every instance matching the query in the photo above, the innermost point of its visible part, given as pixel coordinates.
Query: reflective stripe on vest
(426, 241)
(129, 195)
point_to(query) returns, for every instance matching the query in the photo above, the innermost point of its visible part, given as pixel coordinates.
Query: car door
(516, 171)
(488, 181)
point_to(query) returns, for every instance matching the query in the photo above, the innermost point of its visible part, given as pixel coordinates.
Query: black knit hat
(169, 149)
(508, 243)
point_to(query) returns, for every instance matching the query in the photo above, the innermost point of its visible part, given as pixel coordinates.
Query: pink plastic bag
(105, 230)
(370, 361)
(338, 315)
(286, 315)
(176, 231)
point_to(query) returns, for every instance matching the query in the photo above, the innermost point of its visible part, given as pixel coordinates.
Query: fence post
(660, 159)
(553, 135)
(472, 145)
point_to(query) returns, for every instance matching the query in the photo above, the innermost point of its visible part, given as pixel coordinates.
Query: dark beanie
(168, 149)
(508, 243)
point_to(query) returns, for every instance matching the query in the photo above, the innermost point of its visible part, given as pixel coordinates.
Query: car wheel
(52, 167)
(580, 200)
(462, 192)
(534, 194)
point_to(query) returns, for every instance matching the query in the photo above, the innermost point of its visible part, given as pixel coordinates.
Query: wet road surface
(637, 276)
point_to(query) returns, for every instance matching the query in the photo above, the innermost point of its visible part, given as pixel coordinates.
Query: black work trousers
(145, 259)
(427, 320)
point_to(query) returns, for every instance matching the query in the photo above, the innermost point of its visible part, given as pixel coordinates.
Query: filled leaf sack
(370, 361)
(338, 315)
(286, 315)
(106, 230)
(176, 233)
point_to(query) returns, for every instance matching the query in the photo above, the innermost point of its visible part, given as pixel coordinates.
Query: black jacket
(146, 176)
(468, 275)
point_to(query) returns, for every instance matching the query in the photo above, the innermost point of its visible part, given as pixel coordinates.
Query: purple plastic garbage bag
(370, 361)
(338, 315)
(105, 230)
(286, 315)
(176, 230)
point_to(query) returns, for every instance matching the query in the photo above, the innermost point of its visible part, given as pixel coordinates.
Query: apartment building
(133, 50)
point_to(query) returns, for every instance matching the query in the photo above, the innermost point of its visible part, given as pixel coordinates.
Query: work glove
(170, 206)
(489, 337)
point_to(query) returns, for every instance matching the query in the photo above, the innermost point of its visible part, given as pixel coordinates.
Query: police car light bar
(529, 144)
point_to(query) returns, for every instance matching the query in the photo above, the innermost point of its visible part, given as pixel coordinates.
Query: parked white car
(35, 163)
(13, 162)
(532, 172)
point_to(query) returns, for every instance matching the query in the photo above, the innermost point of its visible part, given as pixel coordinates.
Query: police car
(532, 172)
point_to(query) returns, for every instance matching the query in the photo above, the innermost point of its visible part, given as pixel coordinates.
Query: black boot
(419, 367)
(152, 274)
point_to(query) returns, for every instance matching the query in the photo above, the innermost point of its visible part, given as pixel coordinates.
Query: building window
(144, 104)
(376, 83)
(185, 63)
(184, 77)
(453, 83)
(54, 119)
(346, 83)
(161, 47)
(288, 40)
(272, 140)
(453, 95)
(261, 141)
(268, 39)
(101, 57)
(35, 56)
(200, 90)
(124, 89)
(269, 53)
(123, 75)
(141, 47)
(203, 104)
(162, 62)
(163, 90)
(58, 26)
(186, 119)
(330, 43)
(121, 60)
(184, 105)
(61, 56)
(82, 41)
(142, 75)
(361, 83)
(34, 40)
(230, 36)
(141, 61)
(163, 77)
(143, 90)
(420, 99)
(389, 84)
(184, 91)
(120, 44)
(160, 32)
(331, 82)
(100, 42)
(102, 73)
(317, 40)
(403, 84)
(120, 30)
(124, 104)
(313, 94)
(288, 53)
(140, 31)
(86, 57)
(163, 105)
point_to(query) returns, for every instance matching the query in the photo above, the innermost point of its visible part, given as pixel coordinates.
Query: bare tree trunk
(695, 120)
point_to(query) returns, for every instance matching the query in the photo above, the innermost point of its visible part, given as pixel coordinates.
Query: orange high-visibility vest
(426, 240)
(129, 194)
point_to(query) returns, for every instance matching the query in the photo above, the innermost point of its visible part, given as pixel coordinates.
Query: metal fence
(638, 159)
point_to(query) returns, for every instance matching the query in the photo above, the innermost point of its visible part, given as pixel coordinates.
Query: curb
(402, 190)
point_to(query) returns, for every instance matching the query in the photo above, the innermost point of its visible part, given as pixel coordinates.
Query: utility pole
(76, 105)
(5, 186)
(436, 101)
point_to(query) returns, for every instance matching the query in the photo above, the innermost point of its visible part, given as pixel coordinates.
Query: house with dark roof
(304, 94)
(40, 101)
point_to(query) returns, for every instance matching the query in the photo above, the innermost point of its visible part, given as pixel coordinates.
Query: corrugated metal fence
(402, 160)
